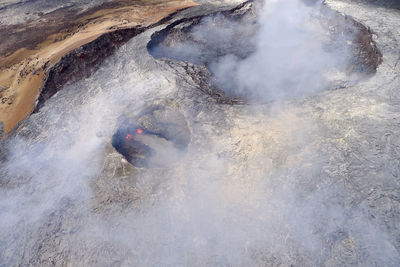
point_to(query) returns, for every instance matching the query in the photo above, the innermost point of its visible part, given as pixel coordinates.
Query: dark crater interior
(157, 137)
(202, 41)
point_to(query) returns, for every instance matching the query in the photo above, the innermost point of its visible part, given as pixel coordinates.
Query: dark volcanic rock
(82, 62)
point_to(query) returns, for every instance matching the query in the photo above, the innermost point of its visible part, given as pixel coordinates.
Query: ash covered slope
(20, 11)
(307, 182)
(382, 3)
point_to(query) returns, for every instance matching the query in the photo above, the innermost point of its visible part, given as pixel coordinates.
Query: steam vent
(160, 139)
(200, 133)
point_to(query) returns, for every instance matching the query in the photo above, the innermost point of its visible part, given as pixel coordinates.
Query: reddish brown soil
(33, 49)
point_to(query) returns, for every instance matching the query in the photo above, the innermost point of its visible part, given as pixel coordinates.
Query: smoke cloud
(292, 58)
(258, 185)
(286, 52)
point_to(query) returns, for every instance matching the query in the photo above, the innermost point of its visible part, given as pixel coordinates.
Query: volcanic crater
(157, 137)
(203, 41)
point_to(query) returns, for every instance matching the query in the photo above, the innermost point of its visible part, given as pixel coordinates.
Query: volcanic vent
(248, 55)
(157, 137)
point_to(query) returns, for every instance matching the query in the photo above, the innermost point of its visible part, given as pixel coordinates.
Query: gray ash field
(163, 157)
(19, 11)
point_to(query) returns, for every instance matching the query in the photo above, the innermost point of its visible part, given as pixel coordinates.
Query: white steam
(259, 185)
(288, 52)
(291, 58)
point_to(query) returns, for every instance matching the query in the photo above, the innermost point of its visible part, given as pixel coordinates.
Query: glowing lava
(139, 131)
(128, 137)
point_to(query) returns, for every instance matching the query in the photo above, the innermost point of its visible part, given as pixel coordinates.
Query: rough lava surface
(312, 181)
